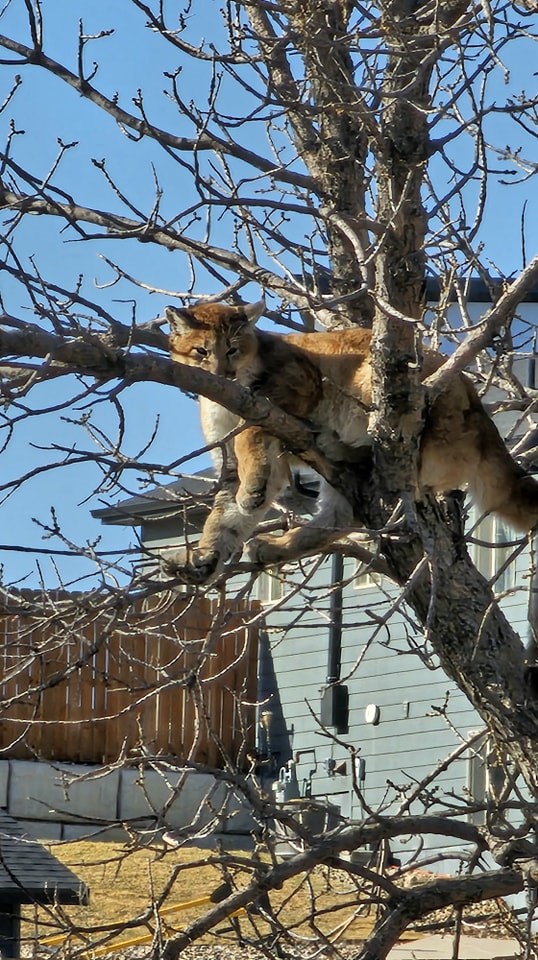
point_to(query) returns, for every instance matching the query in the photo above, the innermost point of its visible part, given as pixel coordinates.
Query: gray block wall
(69, 801)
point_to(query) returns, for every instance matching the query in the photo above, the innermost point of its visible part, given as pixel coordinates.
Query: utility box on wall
(334, 707)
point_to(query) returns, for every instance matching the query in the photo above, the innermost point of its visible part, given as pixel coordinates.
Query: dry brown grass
(124, 882)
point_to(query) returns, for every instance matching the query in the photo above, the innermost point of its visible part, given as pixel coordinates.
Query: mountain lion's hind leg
(333, 519)
(218, 541)
(239, 507)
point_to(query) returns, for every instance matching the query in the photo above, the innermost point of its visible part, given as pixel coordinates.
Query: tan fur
(325, 378)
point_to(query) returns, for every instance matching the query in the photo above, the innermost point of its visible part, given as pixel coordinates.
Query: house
(353, 708)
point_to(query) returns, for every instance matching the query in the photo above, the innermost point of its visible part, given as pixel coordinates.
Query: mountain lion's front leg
(263, 470)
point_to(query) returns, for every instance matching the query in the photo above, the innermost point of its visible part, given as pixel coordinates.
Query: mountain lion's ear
(180, 319)
(252, 311)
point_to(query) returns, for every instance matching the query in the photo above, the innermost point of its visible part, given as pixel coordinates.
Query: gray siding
(423, 717)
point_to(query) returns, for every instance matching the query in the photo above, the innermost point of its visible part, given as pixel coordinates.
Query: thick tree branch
(106, 360)
(410, 904)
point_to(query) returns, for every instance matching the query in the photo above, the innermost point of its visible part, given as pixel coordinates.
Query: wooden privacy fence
(177, 680)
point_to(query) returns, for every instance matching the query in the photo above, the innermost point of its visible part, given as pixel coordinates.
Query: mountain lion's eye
(201, 351)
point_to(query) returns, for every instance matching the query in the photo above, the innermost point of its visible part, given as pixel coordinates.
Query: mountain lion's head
(216, 337)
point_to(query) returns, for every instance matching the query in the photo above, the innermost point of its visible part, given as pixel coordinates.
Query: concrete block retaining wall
(60, 801)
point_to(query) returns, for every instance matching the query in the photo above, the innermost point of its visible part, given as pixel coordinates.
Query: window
(364, 577)
(492, 547)
(487, 776)
(271, 585)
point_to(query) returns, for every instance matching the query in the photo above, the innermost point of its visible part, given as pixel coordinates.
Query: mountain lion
(326, 379)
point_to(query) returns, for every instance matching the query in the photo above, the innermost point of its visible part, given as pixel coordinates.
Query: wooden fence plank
(71, 690)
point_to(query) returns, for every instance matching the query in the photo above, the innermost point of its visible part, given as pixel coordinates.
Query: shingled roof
(30, 874)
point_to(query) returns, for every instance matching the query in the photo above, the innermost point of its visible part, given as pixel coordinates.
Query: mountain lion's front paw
(190, 566)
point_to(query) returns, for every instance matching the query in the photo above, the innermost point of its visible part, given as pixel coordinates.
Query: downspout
(334, 659)
(532, 610)
(334, 707)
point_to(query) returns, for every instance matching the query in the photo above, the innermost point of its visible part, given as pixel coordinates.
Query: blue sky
(46, 110)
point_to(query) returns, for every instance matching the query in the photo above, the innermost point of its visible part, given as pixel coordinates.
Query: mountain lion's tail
(461, 447)
(500, 485)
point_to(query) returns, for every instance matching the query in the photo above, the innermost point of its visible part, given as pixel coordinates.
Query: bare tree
(338, 156)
